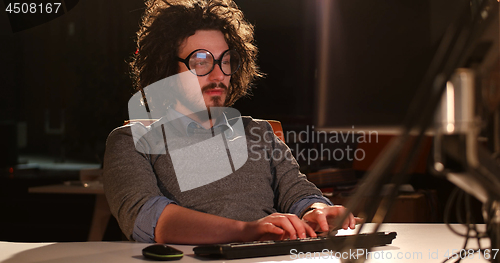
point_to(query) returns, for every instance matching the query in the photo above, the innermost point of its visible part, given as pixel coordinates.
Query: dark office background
(65, 85)
(72, 71)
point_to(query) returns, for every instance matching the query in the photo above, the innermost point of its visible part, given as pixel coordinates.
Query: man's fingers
(353, 221)
(322, 221)
(283, 222)
(310, 230)
(294, 227)
(289, 225)
(299, 226)
(272, 229)
(331, 213)
(319, 218)
(349, 222)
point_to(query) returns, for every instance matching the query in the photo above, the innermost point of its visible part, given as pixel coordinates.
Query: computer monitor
(375, 92)
(372, 56)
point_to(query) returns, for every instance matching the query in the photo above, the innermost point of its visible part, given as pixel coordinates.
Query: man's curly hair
(167, 23)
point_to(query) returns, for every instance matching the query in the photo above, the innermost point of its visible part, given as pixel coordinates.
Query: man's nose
(216, 75)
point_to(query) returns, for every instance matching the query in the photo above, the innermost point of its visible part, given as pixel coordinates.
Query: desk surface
(414, 243)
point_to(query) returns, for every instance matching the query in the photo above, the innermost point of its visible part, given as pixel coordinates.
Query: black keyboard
(287, 247)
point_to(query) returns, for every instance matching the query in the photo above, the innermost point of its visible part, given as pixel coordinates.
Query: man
(168, 196)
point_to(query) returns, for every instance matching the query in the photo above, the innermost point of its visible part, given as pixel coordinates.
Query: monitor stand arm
(479, 177)
(460, 156)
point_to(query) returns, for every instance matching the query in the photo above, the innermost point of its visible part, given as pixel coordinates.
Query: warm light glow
(450, 127)
(439, 167)
(450, 107)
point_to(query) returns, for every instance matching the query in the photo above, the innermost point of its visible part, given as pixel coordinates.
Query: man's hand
(322, 218)
(277, 227)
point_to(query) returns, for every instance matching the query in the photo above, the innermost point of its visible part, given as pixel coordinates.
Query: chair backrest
(277, 129)
(276, 125)
(376, 144)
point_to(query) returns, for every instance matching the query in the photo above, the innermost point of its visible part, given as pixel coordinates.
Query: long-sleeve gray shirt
(140, 182)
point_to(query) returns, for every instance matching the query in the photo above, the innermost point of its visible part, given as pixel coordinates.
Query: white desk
(101, 214)
(413, 240)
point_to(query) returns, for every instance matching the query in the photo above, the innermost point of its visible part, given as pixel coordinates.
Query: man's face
(213, 85)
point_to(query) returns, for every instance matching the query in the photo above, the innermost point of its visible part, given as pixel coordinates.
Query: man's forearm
(181, 225)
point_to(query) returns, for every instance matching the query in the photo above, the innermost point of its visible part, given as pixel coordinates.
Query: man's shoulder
(120, 130)
(128, 130)
(249, 122)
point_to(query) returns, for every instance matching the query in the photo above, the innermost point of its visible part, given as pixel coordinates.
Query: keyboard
(287, 247)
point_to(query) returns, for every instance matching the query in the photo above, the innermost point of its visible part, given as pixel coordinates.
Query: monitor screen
(372, 56)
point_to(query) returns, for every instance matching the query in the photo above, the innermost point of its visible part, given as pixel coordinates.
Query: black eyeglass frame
(216, 61)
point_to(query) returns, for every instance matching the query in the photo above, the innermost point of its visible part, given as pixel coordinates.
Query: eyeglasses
(201, 62)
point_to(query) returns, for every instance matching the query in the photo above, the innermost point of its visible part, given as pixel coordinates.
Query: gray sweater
(269, 181)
